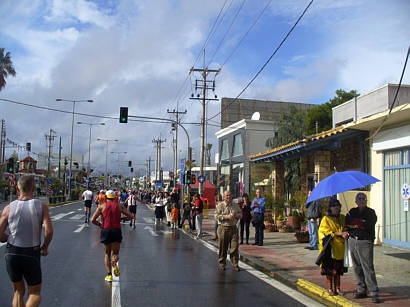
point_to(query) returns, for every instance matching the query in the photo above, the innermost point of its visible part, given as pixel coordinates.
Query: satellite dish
(256, 116)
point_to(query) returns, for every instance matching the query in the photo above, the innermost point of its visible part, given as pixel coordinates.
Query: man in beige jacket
(228, 214)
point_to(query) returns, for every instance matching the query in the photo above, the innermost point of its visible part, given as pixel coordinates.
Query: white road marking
(115, 290)
(79, 209)
(148, 220)
(77, 217)
(80, 228)
(301, 298)
(60, 216)
(152, 232)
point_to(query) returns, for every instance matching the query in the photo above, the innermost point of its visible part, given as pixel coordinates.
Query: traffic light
(188, 177)
(28, 146)
(129, 163)
(132, 169)
(123, 115)
(193, 179)
(10, 165)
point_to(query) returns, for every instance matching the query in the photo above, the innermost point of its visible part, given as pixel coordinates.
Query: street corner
(320, 294)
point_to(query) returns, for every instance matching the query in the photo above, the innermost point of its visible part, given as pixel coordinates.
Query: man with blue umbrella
(361, 223)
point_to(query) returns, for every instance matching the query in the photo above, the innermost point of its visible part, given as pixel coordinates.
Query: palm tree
(6, 68)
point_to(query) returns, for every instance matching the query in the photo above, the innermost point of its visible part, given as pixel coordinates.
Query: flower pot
(280, 223)
(302, 239)
(294, 222)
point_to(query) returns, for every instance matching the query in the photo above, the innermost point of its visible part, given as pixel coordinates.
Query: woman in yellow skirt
(334, 224)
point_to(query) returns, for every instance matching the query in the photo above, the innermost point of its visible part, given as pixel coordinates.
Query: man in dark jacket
(313, 214)
(361, 222)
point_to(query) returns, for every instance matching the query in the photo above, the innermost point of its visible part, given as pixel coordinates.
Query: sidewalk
(286, 260)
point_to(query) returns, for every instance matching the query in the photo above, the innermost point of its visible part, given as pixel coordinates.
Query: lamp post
(89, 143)
(72, 136)
(106, 155)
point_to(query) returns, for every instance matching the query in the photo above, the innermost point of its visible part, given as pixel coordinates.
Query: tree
(6, 68)
(322, 114)
(291, 128)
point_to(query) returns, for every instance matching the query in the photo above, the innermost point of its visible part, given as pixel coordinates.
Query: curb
(312, 290)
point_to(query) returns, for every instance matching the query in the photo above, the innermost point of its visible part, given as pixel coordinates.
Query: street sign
(201, 179)
(12, 183)
(405, 191)
(188, 163)
(12, 177)
(158, 183)
(181, 177)
(49, 181)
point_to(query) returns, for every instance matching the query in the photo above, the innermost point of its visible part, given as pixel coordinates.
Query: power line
(226, 32)
(247, 32)
(267, 62)
(77, 113)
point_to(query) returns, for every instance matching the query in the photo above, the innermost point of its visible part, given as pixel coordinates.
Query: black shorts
(110, 235)
(23, 263)
(88, 203)
(133, 209)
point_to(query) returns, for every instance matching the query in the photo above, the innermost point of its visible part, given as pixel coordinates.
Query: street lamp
(89, 143)
(106, 154)
(72, 136)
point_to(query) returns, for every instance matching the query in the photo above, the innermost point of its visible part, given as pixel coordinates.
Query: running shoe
(115, 268)
(108, 278)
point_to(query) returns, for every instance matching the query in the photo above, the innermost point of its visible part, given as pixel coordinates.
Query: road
(159, 267)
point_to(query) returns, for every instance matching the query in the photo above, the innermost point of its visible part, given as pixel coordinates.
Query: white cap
(110, 194)
(102, 191)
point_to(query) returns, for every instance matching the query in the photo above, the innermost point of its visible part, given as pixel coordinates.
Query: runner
(88, 201)
(111, 235)
(24, 219)
(131, 201)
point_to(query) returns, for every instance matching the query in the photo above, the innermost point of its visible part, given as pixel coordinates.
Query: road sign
(49, 181)
(158, 183)
(405, 191)
(12, 177)
(12, 183)
(181, 177)
(188, 163)
(201, 179)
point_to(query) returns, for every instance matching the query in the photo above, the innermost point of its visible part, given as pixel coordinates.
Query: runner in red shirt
(111, 235)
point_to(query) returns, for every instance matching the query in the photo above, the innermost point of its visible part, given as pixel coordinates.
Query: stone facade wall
(348, 156)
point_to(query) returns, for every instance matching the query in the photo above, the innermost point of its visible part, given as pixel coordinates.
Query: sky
(138, 54)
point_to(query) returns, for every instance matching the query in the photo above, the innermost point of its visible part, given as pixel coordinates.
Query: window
(224, 150)
(392, 158)
(237, 145)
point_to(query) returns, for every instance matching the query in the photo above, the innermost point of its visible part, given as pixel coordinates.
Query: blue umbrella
(340, 182)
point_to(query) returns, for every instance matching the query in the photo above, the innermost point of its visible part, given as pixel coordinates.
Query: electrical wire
(269, 59)
(246, 33)
(226, 32)
(82, 114)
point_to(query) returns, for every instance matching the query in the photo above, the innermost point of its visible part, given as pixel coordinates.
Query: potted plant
(294, 219)
(280, 221)
(285, 228)
(302, 236)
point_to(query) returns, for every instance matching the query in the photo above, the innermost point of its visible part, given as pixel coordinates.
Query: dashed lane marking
(77, 217)
(148, 220)
(60, 216)
(115, 290)
(79, 229)
(151, 231)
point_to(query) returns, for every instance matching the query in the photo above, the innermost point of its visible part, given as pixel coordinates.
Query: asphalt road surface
(159, 267)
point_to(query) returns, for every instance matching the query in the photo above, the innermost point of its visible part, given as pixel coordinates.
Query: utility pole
(49, 138)
(204, 85)
(3, 141)
(176, 140)
(149, 170)
(59, 159)
(158, 143)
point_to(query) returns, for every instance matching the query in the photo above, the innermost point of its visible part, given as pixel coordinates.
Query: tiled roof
(308, 139)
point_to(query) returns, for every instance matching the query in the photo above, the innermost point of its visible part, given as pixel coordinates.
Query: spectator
(332, 267)
(313, 213)
(361, 222)
(198, 208)
(258, 206)
(246, 217)
(187, 212)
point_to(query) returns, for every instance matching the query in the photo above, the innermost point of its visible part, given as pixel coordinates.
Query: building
(236, 142)
(389, 150)
(234, 110)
